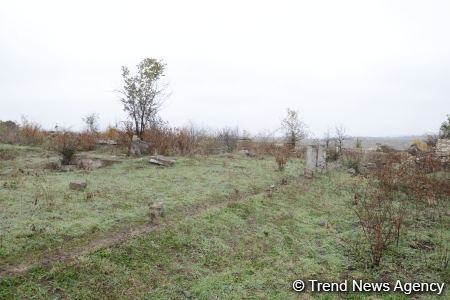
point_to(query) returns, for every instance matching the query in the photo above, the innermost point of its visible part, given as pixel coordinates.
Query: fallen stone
(161, 161)
(156, 211)
(53, 165)
(135, 149)
(106, 142)
(78, 185)
(89, 164)
(145, 148)
(68, 168)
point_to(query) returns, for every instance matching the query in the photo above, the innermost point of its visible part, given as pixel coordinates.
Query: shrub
(281, 157)
(7, 154)
(229, 138)
(421, 145)
(332, 154)
(65, 143)
(86, 141)
(390, 193)
(381, 216)
(30, 133)
(8, 132)
(352, 159)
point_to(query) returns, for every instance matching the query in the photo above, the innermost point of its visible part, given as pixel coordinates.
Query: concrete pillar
(311, 158)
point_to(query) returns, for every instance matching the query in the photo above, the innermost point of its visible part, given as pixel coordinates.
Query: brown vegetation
(394, 192)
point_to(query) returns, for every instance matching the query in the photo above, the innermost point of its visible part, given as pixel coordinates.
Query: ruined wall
(443, 147)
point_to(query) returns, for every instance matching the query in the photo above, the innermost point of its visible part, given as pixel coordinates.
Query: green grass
(116, 195)
(251, 246)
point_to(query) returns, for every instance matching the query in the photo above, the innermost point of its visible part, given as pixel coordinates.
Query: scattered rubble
(161, 161)
(78, 185)
(106, 142)
(139, 147)
(156, 211)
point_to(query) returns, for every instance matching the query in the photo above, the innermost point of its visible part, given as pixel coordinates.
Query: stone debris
(89, 164)
(78, 185)
(248, 153)
(135, 149)
(156, 211)
(68, 168)
(138, 147)
(106, 142)
(161, 161)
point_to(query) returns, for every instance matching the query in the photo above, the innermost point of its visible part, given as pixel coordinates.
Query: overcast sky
(381, 68)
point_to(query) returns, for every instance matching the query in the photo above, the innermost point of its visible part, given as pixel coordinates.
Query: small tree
(229, 137)
(295, 129)
(143, 93)
(91, 123)
(444, 131)
(339, 137)
(358, 143)
(327, 138)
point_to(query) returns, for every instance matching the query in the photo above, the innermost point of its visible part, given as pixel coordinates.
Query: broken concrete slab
(78, 185)
(156, 211)
(161, 161)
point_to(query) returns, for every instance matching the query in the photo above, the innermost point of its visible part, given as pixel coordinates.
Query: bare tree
(295, 129)
(340, 136)
(229, 137)
(143, 93)
(327, 138)
(91, 122)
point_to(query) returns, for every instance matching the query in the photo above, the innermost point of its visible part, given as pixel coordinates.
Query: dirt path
(116, 237)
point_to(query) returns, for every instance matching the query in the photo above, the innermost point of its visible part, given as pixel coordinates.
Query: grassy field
(224, 235)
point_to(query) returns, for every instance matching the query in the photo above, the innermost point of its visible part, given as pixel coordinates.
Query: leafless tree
(91, 122)
(340, 136)
(327, 138)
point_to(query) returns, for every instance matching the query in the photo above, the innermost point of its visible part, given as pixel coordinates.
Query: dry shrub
(380, 217)
(86, 141)
(332, 154)
(185, 141)
(281, 157)
(352, 159)
(8, 132)
(229, 138)
(30, 133)
(8, 154)
(162, 139)
(111, 133)
(421, 145)
(431, 140)
(264, 147)
(389, 196)
(65, 143)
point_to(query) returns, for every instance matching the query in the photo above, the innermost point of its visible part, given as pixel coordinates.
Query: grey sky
(381, 68)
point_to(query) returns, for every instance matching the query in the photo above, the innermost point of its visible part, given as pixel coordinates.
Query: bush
(281, 157)
(381, 213)
(30, 133)
(8, 132)
(420, 145)
(65, 143)
(332, 154)
(86, 141)
(8, 154)
(229, 138)
(352, 159)
(388, 196)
